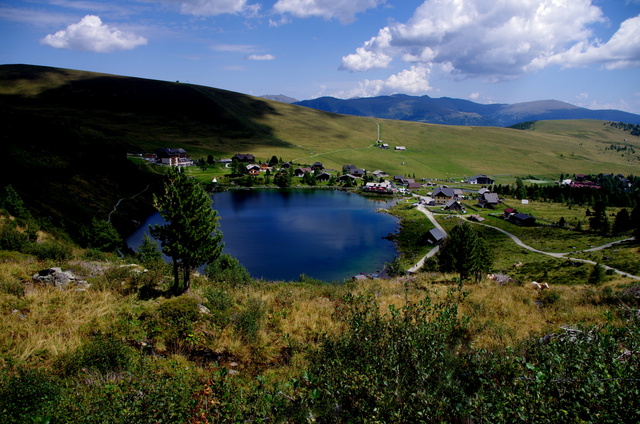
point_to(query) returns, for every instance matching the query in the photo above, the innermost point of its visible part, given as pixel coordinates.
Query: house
(414, 186)
(488, 200)
(286, 165)
(379, 174)
(347, 169)
(254, 169)
(398, 178)
(245, 158)
(299, 172)
(384, 187)
(318, 166)
(435, 236)
(454, 205)
(172, 157)
(508, 212)
(323, 176)
(479, 179)
(522, 219)
(442, 195)
(348, 177)
(483, 190)
(358, 173)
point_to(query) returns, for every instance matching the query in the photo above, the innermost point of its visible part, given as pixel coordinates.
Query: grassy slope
(69, 131)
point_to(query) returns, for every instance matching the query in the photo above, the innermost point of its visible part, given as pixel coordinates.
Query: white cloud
(90, 34)
(496, 40)
(235, 48)
(621, 51)
(261, 57)
(215, 7)
(413, 80)
(342, 10)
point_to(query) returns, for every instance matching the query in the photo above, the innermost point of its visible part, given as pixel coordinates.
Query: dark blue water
(279, 234)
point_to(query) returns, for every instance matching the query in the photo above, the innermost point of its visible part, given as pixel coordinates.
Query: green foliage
(399, 366)
(151, 391)
(577, 375)
(394, 268)
(282, 179)
(191, 236)
(249, 321)
(597, 275)
(148, 252)
(101, 353)
(25, 396)
(11, 238)
(465, 251)
(51, 250)
(228, 270)
(12, 202)
(101, 235)
(527, 125)
(176, 318)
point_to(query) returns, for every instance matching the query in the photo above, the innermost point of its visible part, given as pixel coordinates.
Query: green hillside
(69, 131)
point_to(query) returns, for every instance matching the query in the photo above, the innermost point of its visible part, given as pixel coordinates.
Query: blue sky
(585, 52)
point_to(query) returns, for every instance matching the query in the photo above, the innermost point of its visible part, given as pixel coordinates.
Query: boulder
(58, 278)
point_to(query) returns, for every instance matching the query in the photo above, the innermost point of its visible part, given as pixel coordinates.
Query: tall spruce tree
(464, 251)
(191, 236)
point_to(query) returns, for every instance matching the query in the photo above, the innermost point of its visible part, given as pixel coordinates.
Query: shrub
(249, 321)
(102, 353)
(229, 270)
(401, 366)
(11, 238)
(24, 397)
(152, 391)
(173, 320)
(51, 250)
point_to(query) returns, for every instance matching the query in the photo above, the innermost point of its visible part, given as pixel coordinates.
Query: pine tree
(464, 251)
(191, 236)
(622, 222)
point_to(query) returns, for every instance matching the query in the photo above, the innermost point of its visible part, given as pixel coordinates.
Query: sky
(584, 52)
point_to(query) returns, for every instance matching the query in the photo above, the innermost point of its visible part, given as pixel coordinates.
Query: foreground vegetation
(116, 344)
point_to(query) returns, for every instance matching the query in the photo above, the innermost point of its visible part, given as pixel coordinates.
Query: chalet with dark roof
(172, 157)
(244, 158)
(479, 179)
(522, 219)
(435, 236)
(317, 166)
(488, 200)
(442, 195)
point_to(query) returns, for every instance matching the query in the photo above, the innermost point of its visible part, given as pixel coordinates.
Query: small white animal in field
(539, 286)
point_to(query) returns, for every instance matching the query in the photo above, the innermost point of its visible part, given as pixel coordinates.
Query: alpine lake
(278, 235)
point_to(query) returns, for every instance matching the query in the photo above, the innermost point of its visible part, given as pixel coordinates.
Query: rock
(58, 278)
(203, 309)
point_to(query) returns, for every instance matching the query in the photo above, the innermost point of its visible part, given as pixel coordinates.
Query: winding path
(519, 242)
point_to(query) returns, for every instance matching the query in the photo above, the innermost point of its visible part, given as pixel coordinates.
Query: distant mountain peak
(450, 111)
(279, 98)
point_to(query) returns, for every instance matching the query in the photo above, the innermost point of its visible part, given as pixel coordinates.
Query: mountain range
(449, 111)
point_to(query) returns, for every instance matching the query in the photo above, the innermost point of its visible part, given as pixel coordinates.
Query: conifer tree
(464, 251)
(191, 236)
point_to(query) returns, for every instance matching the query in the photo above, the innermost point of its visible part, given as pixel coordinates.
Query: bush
(249, 321)
(51, 250)
(152, 391)
(173, 321)
(101, 353)
(229, 270)
(26, 396)
(11, 238)
(396, 367)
